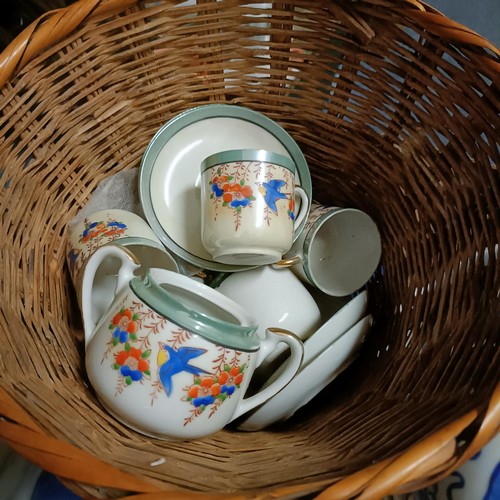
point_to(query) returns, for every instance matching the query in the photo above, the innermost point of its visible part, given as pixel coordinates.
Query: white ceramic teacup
(276, 297)
(338, 250)
(114, 226)
(248, 206)
(172, 357)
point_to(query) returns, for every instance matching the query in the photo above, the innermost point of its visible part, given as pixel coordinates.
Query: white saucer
(169, 177)
(346, 317)
(332, 329)
(310, 380)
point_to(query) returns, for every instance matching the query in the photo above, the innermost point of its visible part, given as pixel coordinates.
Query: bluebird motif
(271, 193)
(171, 361)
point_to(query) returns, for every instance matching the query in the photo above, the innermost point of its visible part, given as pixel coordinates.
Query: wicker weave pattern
(396, 109)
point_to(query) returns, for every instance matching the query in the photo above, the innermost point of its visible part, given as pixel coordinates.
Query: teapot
(172, 357)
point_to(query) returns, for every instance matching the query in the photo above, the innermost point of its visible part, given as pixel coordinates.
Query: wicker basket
(396, 109)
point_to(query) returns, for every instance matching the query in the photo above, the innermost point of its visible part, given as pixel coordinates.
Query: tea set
(176, 356)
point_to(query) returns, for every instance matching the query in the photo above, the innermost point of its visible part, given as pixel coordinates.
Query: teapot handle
(129, 263)
(292, 365)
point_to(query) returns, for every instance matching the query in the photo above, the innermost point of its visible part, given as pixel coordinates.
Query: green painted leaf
(230, 177)
(227, 368)
(128, 380)
(146, 354)
(116, 366)
(133, 337)
(115, 342)
(127, 347)
(135, 316)
(242, 182)
(242, 367)
(147, 373)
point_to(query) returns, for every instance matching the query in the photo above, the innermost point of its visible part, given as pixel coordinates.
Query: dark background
(15, 15)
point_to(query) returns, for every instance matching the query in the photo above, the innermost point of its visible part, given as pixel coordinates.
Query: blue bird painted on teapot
(172, 357)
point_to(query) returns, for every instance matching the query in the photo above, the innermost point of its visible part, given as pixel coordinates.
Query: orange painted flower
(246, 191)
(235, 375)
(291, 208)
(124, 324)
(223, 377)
(204, 392)
(132, 364)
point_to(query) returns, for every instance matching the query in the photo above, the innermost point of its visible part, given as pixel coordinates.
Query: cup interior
(150, 255)
(342, 252)
(200, 304)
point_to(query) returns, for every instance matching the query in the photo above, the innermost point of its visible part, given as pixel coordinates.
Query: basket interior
(392, 120)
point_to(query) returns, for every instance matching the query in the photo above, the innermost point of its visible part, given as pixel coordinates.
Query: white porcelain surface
(333, 328)
(336, 326)
(101, 228)
(338, 250)
(111, 227)
(169, 181)
(277, 298)
(248, 208)
(173, 346)
(310, 380)
(478, 478)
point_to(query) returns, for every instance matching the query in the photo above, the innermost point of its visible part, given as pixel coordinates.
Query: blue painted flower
(132, 364)
(228, 389)
(89, 228)
(135, 375)
(243, 202)
(203, 401)
(217, 190)
(124, 325)
(121, 335)
(116, 224)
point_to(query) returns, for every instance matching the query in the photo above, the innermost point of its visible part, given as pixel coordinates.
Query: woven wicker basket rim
(25, 65)
(41, 34)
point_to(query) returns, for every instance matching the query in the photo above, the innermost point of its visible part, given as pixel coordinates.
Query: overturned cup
(248, 206)
(338, 250)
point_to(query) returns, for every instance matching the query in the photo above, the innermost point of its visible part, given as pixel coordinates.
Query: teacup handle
(292, 261)
(273, 337)
(304, 203)
(129, 263)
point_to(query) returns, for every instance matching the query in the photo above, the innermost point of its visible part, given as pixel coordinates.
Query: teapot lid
(177, 308)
